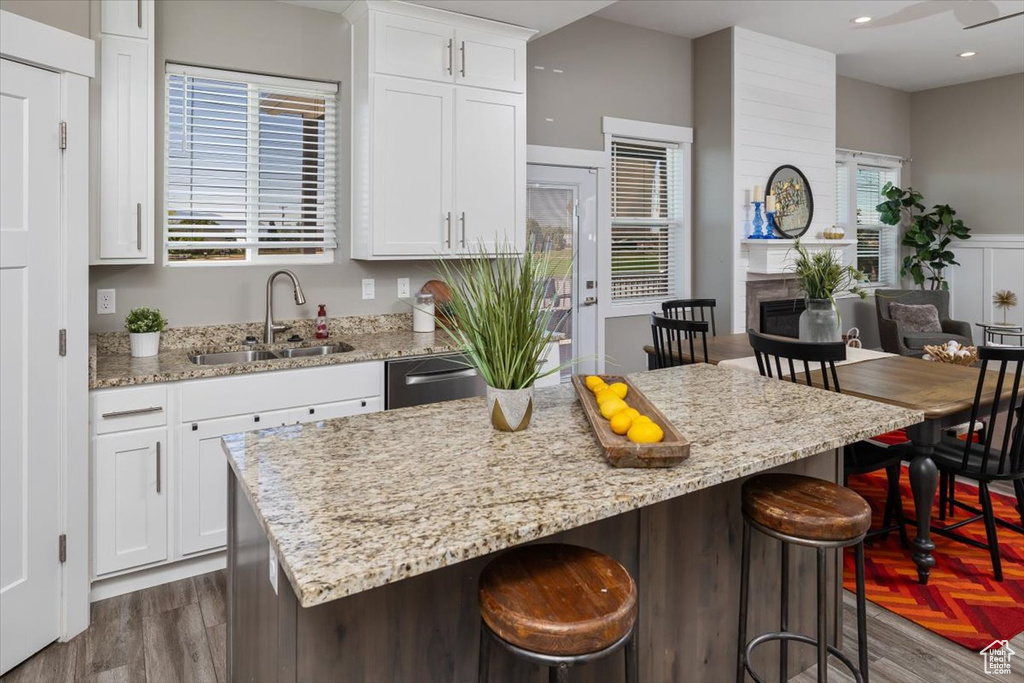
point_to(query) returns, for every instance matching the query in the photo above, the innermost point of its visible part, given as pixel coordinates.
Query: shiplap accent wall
(987, 263)
(784, 112)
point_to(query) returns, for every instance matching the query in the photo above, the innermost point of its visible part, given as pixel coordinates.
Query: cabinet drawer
(120, 410)
(226, 396)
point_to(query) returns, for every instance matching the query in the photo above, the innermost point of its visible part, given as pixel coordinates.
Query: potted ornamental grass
(821, 276)
(498, 317)
(144, 326)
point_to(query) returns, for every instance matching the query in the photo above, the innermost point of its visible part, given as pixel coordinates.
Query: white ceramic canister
(423, 312)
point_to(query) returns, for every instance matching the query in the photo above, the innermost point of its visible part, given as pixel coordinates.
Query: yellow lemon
(621, 421)
(633, 413)
(612, 406)
(642, 418)
(619, 388)
(605, 395)
(593, 381)
(598, 388)
(644, 432)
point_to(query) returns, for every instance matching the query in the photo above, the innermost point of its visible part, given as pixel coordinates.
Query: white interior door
(30, 168)
(561, 218)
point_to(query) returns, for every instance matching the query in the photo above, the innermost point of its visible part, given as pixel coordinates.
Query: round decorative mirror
(794, 203)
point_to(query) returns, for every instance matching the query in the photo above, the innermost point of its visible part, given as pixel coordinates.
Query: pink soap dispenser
(321, 322)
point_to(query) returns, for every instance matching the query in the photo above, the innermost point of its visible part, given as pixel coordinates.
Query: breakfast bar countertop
(360, 502)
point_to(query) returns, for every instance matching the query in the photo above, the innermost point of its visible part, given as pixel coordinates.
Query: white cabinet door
(126, 17)
(486, 60)
(130, 499)
(416, 48)
(125, 223)
(490, 169)
(412, 167)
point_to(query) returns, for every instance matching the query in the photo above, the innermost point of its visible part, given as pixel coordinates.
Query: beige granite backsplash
(233, 334)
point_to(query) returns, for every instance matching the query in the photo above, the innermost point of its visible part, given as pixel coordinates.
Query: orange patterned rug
(962, 602)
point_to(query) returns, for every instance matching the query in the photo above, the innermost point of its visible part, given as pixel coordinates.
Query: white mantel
(776, 256)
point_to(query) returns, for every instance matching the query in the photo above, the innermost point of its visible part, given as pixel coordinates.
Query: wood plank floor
(176, 632)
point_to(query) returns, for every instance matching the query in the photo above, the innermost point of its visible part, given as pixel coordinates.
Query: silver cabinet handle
(444, 375)
(138, 226)
(158, 467)
(462, 52)
(451, 55)
(462, 220)
(448, 230)
(136, 411)
(138, 12)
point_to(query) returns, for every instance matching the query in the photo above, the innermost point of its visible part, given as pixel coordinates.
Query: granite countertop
(372, 338)
(359, 502)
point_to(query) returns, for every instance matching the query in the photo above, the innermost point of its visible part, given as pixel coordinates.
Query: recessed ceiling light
(967, 54)
(862, 20)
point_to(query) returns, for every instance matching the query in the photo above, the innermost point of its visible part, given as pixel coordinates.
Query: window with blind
(858, 193)
(646, 220)
(250, 168)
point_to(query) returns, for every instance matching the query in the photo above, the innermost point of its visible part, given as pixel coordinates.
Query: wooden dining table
(942, 391)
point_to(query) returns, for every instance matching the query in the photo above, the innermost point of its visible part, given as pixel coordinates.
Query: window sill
(626, 310)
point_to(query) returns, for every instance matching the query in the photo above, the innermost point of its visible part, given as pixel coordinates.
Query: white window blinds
(250, 165)
(877, 243)
(646, 198)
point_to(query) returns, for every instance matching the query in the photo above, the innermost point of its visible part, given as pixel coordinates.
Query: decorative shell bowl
(953, 353)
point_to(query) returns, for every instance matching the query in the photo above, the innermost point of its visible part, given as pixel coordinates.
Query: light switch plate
(368, 288)
(273, 569)
(403, 288)
(105, 301)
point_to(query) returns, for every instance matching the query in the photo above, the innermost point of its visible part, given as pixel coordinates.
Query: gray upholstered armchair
(896, 339)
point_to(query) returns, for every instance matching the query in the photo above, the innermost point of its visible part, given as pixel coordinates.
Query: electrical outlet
(368, 288)
(403, 288)
(105, 301)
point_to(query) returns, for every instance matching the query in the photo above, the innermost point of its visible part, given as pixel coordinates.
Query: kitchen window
(860, 178)
(249, 173)
(649, 187)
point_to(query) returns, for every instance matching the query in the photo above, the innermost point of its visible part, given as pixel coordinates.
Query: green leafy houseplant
(822, 275)
(142, 320)
(929, 234)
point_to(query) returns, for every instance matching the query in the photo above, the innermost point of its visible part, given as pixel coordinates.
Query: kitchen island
(375, 528)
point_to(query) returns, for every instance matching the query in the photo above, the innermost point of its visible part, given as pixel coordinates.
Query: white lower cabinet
(130, 499)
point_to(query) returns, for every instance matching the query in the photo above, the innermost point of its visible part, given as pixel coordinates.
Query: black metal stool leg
(784, 615)
(943, 495)
(483, 666)
(744, 590)
(558, 674)
(822, 618)
(632, 672)
(862, 616)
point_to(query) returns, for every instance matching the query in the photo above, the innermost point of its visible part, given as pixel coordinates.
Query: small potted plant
(144, 326)
(821, 276)
(498, 317)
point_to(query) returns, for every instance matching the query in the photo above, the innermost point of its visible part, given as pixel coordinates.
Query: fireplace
(781, 317)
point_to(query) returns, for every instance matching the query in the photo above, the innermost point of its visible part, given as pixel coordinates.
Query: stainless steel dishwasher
(430, 379)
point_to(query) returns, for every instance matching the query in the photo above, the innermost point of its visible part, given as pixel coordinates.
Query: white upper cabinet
(438, 132)
(122, 230)
(126, 17)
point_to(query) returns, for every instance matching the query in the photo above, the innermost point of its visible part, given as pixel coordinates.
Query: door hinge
(63, 135)
(62, 547)
(62, 342)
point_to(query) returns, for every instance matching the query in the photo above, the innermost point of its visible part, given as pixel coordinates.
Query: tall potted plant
(821, 276)
(498, 317)
(929, 233)
(144, 326)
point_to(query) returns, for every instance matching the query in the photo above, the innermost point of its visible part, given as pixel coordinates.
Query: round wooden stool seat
(557, 599)
(805, 507)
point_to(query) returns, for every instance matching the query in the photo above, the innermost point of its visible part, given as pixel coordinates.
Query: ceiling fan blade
(992, 21)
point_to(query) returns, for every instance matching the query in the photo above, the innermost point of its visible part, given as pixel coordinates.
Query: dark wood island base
(684, 554)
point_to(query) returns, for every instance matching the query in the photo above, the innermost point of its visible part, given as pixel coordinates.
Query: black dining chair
(691, 309)
(789, 359)
(997, 456)
(671, 336)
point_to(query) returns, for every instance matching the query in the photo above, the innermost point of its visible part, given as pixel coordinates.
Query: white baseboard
(147, 578)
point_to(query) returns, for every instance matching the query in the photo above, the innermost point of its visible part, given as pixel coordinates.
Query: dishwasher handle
(441, 376)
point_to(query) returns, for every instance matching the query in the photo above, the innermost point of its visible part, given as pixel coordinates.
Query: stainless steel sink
(304, 352)
(225, 357)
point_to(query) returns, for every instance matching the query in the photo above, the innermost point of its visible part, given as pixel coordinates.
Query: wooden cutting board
(620, 451)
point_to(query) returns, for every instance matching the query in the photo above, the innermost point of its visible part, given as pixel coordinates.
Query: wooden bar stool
(809, 512)
(557, 605)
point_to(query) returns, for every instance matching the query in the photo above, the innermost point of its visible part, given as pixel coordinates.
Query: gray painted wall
(67, 15)
(968, 142)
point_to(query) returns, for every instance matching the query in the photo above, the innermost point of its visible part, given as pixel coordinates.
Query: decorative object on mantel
(952, 352)
(834, 232)
(500, 321)
(1004, 300)
(618, 449)
(929, 234)
(821, 276)
(794, 202)
(144, 326)
(757, 223)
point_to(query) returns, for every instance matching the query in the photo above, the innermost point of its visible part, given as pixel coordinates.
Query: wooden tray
(620, 451)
